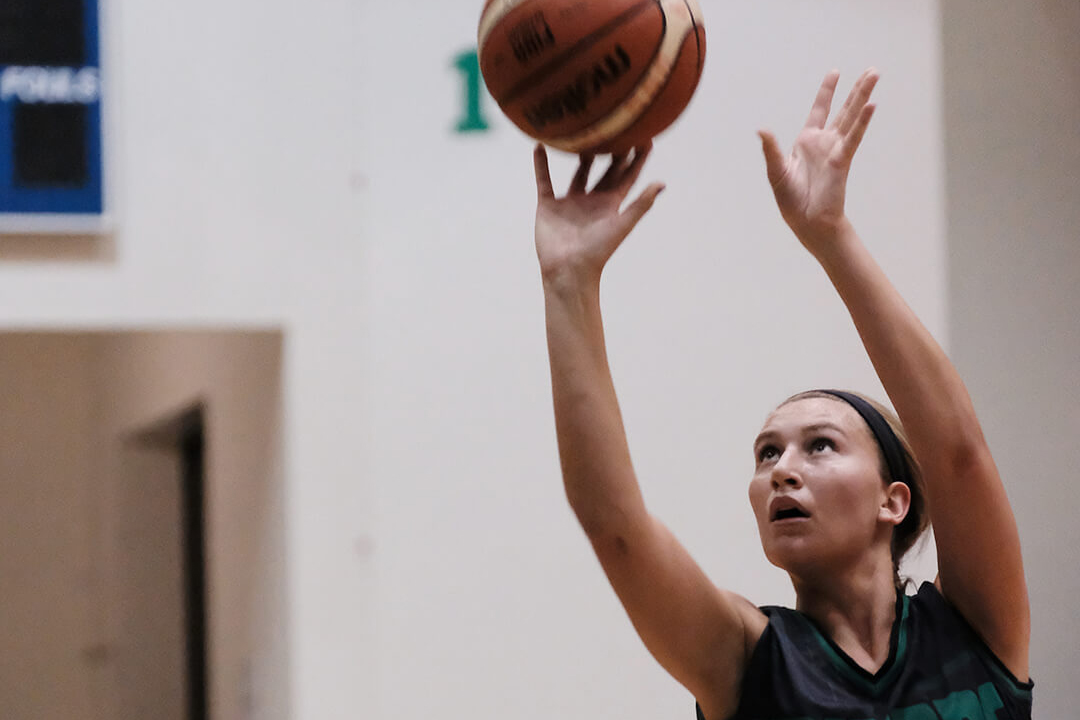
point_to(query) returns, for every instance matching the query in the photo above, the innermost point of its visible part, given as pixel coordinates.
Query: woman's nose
(785, 472)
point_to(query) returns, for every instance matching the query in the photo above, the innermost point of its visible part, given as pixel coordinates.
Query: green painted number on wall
(472, 118)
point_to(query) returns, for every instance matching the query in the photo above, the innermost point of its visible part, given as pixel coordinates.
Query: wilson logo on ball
(575, 98)
(531, 38)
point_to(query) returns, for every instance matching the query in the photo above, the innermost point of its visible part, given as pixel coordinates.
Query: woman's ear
(896, 503)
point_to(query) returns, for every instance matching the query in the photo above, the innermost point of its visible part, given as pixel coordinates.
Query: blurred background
(277, 437)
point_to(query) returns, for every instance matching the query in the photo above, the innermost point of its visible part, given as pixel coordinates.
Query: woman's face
(817, 491)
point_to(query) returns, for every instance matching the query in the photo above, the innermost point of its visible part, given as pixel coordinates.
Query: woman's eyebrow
(818, 427)
(763, 436)
(772, 435)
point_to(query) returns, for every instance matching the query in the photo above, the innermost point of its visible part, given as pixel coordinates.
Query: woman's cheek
(757, 494)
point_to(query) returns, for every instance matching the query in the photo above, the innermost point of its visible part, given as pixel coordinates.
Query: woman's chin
(789, 557)
(796, 557)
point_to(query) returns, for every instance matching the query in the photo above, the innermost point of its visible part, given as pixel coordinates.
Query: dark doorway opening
(192, 444)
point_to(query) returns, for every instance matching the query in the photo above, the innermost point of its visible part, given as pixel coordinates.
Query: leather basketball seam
(697, 37)
(493, 14)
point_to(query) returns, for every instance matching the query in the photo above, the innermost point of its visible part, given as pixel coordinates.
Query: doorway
(141, 516)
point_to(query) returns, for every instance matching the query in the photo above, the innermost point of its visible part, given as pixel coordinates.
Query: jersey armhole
(767, 611)
(1020, 690)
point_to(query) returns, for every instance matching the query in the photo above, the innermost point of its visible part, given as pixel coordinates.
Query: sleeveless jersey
(938, 669)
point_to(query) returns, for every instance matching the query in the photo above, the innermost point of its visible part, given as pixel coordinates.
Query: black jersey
(938, 669)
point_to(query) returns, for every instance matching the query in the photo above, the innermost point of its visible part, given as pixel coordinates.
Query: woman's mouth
(786, 509)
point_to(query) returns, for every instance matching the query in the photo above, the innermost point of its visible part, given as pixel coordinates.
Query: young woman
(839, 491)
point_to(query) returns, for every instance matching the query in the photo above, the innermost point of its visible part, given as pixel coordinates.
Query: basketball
(592, 76)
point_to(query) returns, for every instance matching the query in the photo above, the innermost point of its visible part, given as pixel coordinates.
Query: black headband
(883, 433)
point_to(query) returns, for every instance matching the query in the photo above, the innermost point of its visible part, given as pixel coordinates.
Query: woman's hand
(579, 232)
(810, 183)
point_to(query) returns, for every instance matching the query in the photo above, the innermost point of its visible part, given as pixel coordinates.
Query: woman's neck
(856, 609)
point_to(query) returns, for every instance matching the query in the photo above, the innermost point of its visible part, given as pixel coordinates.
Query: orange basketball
(598, 76)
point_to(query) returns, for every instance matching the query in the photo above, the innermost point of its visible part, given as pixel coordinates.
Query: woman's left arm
(980, 566)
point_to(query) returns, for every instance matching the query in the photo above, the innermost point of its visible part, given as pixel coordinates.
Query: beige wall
(142, 581)
(82, 508)
(1012, 102)
(148, 377)
(48, 621)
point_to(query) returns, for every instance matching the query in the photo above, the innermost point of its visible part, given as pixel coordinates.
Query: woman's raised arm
(979, 561)
(700, 634)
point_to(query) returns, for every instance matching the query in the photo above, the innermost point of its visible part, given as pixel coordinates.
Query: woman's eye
(821, 445)
(767, 453)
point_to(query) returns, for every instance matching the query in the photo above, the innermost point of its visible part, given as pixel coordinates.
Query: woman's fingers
(856, 101)
(581, 177)
(775, 162)
(543, 174)
(610, 180)
(633, 171)
(819, 113)
(842, 113)
(622, 175)
(637, 209)
(858, 129)
(619, 177)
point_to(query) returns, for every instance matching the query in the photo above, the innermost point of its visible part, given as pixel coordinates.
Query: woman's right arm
(700, 634)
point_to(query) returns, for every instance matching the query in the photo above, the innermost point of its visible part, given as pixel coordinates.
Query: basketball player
(839, 491)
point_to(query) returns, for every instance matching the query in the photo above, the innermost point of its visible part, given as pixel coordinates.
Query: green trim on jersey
(873, 684)
(938, 669)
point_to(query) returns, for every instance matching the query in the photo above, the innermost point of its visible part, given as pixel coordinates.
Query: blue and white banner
(50, 113)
